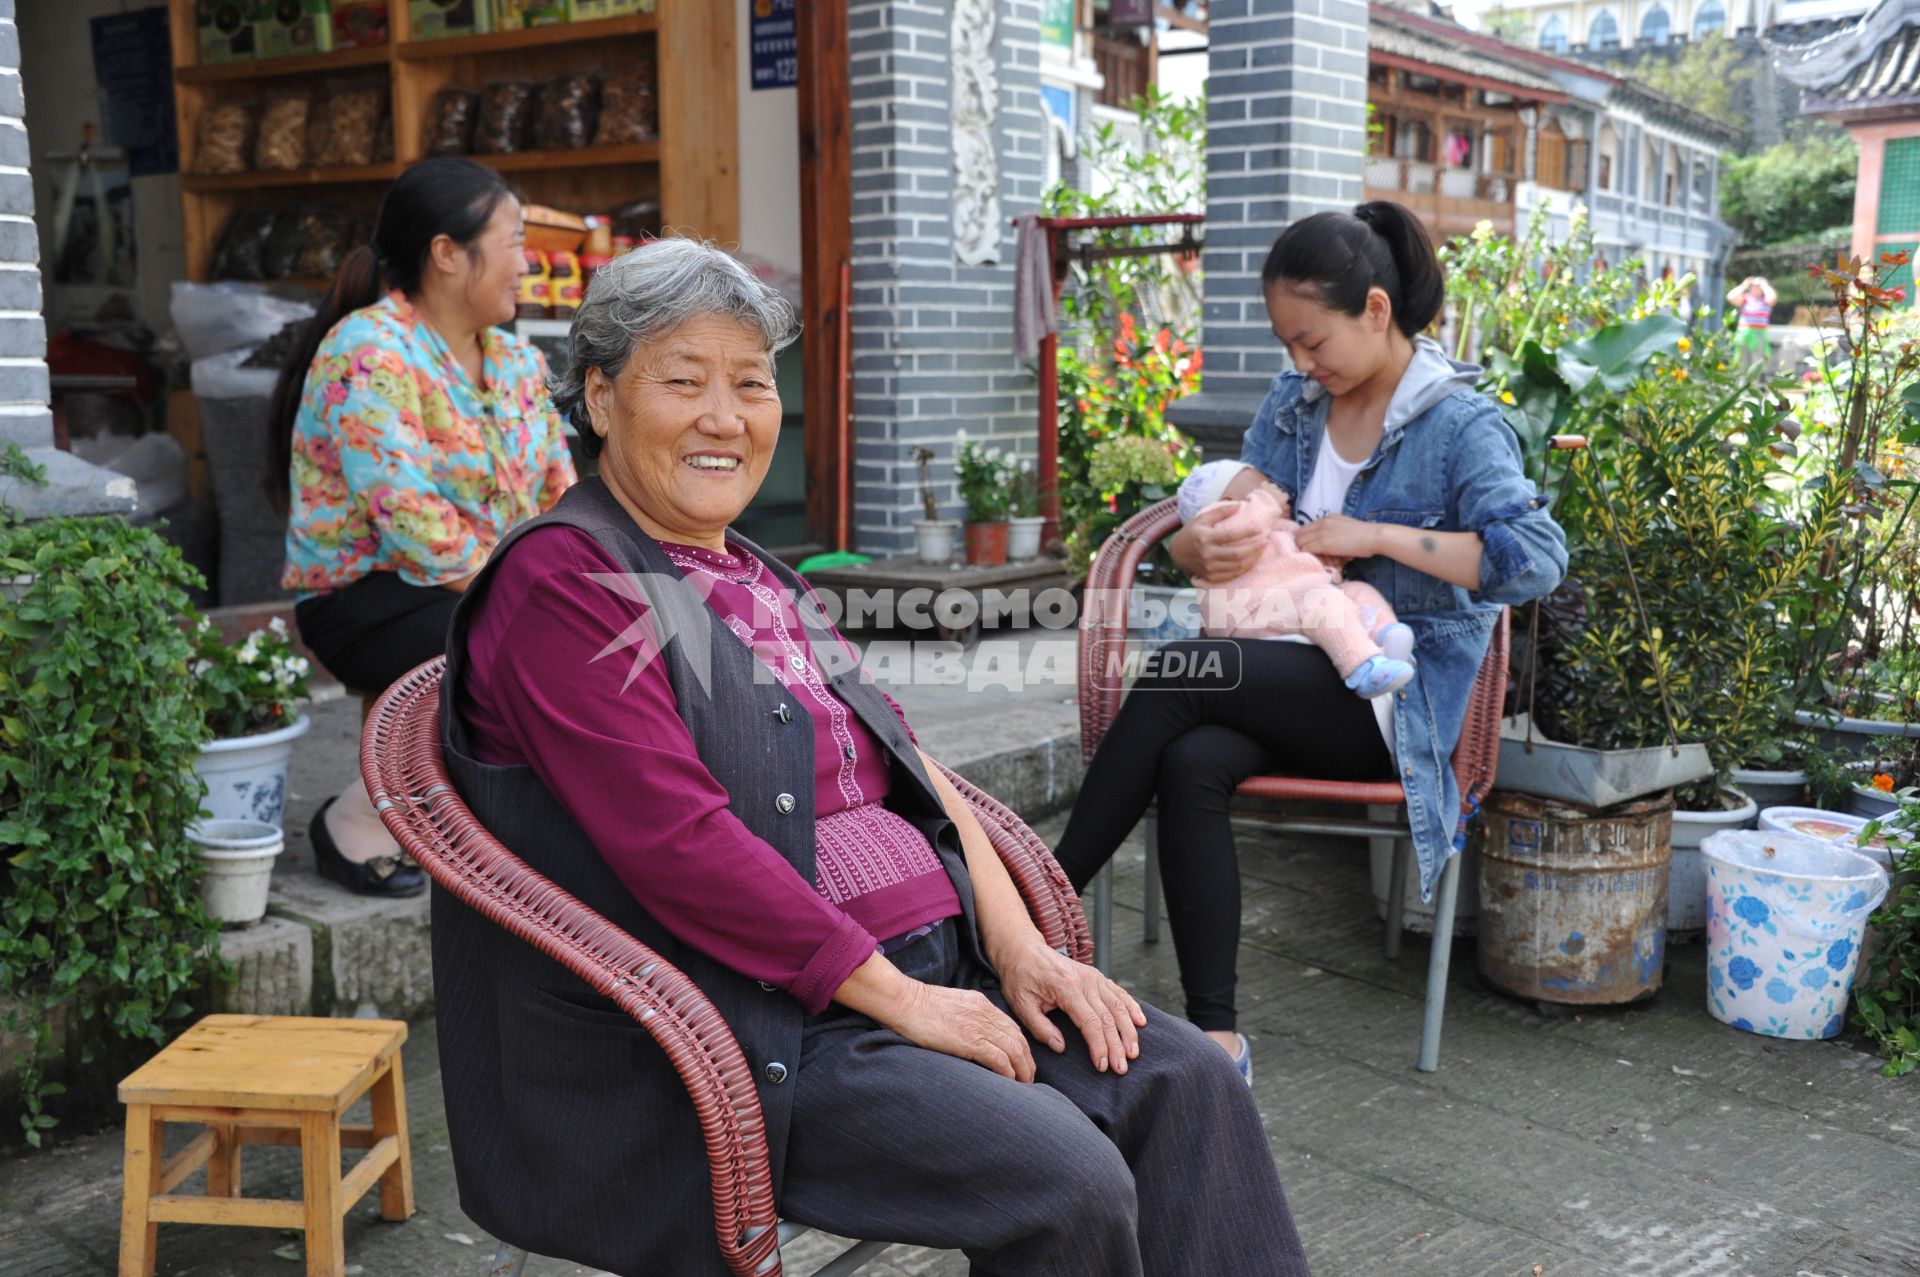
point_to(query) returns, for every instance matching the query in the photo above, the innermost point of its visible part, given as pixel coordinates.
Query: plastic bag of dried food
(281, 255)
(629, 110)
(506, 107)
(223, 133)
(280, 143)
(353, 120)
(237, 254)
(450, 121)
(325, 239)
(569, 108)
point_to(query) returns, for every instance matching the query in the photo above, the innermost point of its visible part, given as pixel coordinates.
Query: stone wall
(1286, 136)
(933, 333)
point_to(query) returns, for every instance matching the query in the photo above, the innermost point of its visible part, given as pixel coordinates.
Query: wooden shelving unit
(693, 169)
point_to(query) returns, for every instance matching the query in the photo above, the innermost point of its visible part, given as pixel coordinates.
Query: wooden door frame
(826, 244)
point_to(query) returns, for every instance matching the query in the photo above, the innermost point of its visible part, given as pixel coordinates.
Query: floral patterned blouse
(401, 464)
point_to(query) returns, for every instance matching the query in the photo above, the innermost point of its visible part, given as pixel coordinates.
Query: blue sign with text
(773, 45)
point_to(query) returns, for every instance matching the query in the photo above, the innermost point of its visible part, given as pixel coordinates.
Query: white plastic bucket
(1784, 923)
(1827, 826)
(1687, 878)
(236, 867)
(247, 775)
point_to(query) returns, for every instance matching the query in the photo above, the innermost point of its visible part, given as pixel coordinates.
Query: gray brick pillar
(73, 486)
(1286, 137)
(932, 330)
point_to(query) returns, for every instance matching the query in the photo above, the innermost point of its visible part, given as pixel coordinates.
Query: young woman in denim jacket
(1394, 463)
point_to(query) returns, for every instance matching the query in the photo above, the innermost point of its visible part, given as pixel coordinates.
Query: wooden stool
(265, 1079)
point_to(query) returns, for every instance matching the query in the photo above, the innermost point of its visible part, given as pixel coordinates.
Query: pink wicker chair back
(400, 760)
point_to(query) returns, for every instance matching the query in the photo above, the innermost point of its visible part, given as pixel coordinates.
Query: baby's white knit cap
(1205, 485)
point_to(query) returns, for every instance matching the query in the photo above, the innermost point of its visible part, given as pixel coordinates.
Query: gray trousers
(1163, 1171)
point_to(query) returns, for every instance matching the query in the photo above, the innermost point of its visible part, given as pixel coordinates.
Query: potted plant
(1860, 670)
(982, 476)
(250, 692)
(105, 936)
(1026, 524)
(934, 537)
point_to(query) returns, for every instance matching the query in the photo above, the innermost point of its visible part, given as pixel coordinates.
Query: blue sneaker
(1244, 1060)
(1380, 675)
(1396, 641)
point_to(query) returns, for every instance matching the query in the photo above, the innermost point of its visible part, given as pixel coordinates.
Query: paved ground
(1652, 1142)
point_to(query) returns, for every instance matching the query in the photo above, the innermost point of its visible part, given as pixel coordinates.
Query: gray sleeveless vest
(572, 1136)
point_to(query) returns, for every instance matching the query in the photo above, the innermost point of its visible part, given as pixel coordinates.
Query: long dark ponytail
(1341, 257)
(445, 196)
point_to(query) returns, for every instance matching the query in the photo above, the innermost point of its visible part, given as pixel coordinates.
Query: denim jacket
(1453, 466)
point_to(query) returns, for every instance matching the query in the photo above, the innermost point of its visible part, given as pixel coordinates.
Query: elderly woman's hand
(1037, 981)
(961, 1022)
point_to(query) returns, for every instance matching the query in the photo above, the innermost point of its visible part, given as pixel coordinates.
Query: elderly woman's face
(690, 426)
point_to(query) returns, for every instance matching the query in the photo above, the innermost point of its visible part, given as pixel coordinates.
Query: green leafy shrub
(1792, 192)
(1887, 1005)
(100, 726)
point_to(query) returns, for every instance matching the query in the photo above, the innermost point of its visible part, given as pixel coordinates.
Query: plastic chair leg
(1150, 926)
(1102, 921)
(508, 1261)
(1397, 897)
(1437, 962)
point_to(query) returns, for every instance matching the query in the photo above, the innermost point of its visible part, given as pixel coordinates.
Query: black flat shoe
(385, 876)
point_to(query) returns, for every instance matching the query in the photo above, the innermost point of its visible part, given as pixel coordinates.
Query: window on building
(1603, 32)
(1609, 157)
(1550, 163)
(1708, 18)
(1657, 26)
(1553, 34)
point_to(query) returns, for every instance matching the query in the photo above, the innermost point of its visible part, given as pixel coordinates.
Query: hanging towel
(1033, 319)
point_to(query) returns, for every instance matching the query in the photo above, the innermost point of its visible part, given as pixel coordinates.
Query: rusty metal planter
(1573, 900)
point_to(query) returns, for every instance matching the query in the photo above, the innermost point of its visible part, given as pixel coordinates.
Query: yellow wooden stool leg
(390, 1118)
(139, 1183)
(223, 1167)
(320, 1181)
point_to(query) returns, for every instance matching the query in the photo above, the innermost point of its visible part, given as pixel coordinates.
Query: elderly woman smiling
(636, 706)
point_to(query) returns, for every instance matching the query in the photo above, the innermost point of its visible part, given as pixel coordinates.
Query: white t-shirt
(1326, 493)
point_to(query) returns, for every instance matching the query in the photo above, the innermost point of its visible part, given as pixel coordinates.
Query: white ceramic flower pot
(1687, 879)
(1023, 538)
(1771, 788)
(935, 539)
(236, 867)
(14, 588)
(247, 775)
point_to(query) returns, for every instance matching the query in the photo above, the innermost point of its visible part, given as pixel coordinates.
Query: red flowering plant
(1860, 412)
(1118, 455)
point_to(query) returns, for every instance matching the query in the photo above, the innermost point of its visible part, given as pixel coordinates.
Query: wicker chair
(401, 762)
(1103, 631)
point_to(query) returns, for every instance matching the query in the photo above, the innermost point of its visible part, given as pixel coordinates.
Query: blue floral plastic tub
(1784, 918)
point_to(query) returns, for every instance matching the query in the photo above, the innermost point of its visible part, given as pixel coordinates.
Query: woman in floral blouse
(414, 434)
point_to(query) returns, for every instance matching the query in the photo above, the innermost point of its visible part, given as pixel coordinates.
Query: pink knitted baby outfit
(1288, 591)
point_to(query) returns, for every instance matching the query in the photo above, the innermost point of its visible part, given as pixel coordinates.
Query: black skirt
(371, 632)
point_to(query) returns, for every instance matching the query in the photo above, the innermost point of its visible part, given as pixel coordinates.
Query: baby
(1290, 592)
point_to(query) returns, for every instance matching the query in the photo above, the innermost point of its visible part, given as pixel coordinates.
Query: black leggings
(371, 632)
(1189, 740)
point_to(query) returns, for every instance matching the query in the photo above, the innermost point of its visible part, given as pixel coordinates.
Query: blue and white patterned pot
(1784, 921)
(247, 775)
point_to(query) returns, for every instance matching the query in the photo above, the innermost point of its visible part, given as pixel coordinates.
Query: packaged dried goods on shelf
(223, 138)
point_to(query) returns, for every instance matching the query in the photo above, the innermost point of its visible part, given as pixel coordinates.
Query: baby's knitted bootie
(1379, 675)
(1395, 640)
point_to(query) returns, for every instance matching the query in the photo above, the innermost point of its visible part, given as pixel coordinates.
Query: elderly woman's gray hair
(641, 296)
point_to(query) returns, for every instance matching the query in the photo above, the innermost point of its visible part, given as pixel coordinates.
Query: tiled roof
(1870, 65)
(1386, 34)
(1890, 75)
